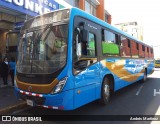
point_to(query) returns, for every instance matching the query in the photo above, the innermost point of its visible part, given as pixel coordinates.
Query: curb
(10, 109)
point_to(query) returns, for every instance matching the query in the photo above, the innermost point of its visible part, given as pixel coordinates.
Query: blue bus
(68, 58)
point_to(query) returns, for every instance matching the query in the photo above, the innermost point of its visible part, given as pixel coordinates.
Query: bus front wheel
(105, 92)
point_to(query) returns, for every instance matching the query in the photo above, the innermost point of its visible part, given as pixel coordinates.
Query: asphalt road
(137, 99)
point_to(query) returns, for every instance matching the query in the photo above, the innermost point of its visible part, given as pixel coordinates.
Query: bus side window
(110, 44)
(134, 49)
(88, 54)
(125, 49)
(91, 45)
(89, 48)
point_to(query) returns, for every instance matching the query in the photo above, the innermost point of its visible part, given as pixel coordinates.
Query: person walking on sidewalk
(12, 65)
(5, 70)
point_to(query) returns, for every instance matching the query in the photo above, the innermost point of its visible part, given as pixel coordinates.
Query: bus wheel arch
(107, 88)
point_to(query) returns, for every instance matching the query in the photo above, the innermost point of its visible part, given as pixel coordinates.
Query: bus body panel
(125, 71)
(87, 85)
(84, 95)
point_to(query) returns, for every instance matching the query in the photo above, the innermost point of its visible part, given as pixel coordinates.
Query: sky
(145, 12)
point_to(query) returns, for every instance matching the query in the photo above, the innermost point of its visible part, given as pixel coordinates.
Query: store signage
(18, 25)
(31, 7)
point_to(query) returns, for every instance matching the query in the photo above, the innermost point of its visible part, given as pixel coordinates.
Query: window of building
(93, 9)
(74, 3)
(90, 7)
(77, 3)
(87, 7)
(106, 18)
(110, 44)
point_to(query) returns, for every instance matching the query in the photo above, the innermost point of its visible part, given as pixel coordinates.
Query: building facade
(94, 7)
(131, 28)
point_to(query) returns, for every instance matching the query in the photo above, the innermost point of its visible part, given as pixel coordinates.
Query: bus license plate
(29, 102)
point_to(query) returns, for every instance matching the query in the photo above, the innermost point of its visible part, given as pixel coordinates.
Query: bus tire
(145, 76)
(105, 91)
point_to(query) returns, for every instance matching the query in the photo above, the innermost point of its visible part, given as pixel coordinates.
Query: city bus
(157, 63)
(68, 58)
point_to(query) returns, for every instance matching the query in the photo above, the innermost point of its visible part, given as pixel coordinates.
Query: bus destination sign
(48, 18)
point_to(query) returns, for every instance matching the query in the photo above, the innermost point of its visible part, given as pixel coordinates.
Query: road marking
(139, 90)
(155, 92)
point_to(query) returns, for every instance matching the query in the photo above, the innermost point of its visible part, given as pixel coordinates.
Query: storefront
(12, 15)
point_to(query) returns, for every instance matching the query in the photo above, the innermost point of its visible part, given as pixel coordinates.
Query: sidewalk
(8, 101)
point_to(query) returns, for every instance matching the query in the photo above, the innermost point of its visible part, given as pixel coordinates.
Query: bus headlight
(59, 86)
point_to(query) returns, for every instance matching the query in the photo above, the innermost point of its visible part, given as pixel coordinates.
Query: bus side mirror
(77, 35)
(78, 43)
(85, 35)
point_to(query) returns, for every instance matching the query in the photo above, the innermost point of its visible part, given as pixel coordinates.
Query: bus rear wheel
(105, 91)
(145, 76)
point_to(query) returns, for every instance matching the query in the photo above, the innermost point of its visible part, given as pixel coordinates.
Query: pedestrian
(12, 65)
(5, 70)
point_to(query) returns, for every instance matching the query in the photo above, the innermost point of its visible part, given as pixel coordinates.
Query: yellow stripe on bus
(117, 68)
(38, 88)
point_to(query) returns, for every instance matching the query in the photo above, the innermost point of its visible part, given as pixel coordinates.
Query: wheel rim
(106, 91)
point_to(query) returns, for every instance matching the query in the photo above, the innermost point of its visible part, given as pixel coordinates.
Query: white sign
(39, 7)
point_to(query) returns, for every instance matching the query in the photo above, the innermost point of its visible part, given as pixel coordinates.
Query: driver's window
(89, 48)
(88, 53)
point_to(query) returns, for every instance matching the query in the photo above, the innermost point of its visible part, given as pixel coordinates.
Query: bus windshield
(43, 50)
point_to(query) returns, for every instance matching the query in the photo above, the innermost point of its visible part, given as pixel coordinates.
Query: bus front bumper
(61, 101)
